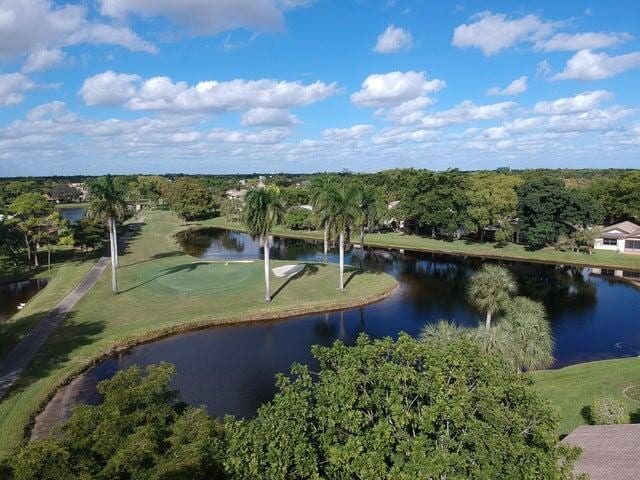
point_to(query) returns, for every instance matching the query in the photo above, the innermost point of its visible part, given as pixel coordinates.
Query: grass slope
(600, 258)
(573, 388)
(164, 291)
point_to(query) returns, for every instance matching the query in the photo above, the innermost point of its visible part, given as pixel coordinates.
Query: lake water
(73, 214)
(231, 369)
(14, 293)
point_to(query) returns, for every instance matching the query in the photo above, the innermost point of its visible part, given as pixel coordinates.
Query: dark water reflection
(73, 214)
(15, 293)
(231, 369)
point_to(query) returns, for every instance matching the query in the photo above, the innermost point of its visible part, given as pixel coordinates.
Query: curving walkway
(12, 366)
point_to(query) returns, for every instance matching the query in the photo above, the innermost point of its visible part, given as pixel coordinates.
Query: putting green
(203, 278)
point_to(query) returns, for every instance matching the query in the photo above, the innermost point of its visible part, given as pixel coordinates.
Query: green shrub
(609, 411)
(298, 219)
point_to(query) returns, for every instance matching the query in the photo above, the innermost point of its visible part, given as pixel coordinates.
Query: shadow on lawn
(309, 270)
(185, 267)
(157, 256)
(58, 350)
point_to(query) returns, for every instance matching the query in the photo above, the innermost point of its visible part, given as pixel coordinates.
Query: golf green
(196, 278)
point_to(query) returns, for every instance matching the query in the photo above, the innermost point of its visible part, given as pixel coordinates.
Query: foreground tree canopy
(382, 409)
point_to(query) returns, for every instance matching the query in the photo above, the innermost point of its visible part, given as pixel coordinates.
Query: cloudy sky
(225, 86)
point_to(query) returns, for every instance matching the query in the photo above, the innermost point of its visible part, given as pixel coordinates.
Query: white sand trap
(288, 270)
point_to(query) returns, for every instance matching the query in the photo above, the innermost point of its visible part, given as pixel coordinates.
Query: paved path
(14, 364)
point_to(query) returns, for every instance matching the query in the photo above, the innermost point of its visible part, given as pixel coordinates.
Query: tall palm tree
(108, 203)
(343, 211)
(371, 212)
(530, 342)
(322, 190)
(443, 332)
(490, 288)
(262, 211)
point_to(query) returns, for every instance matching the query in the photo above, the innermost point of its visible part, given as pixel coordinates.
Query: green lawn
(600, 258)
(165, 291)
(570, 389)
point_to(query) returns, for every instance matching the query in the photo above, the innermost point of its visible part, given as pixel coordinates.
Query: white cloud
(592, 120)
(109, 88)
(162, 94)
(399, 135)
(40, 60)
(392, 40)
(467, 111)
(409, 112)
(519, 85)
(580, 103)
(209, 17)
(12, 88)
(494, 32)
(543, 69)
(355, 132)
(581, 41)
(29, 25)
(586, 65)
(394, 88)
(263, 137)
(269, 117)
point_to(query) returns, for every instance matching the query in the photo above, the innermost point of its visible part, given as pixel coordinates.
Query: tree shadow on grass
(58, 350)
(185, 267)
(587, 414)
(309, 270)
(157, 256)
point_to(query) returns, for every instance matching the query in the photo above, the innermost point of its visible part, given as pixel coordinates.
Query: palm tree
(343, 210)
(108, 203)
(372, 209)
(444, 331)
(490, 288)
(530, 342)
(322, 189)
(262, 211)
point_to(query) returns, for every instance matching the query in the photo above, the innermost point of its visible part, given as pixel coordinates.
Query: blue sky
(226, 86)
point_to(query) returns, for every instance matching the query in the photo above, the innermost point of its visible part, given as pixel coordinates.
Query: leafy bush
(400, 410)
(139, 431)
(298, 219)
(609, 411)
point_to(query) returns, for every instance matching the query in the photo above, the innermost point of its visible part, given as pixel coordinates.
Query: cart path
(12, 366)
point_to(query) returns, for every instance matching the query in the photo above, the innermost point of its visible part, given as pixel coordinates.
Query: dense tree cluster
(379, 410)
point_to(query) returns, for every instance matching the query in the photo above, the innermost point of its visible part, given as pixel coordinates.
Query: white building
(620, 237)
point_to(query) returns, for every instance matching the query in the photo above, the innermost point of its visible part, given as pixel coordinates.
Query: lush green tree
(443, 331)
(48, 233)
(373, 210)
(31, 209)
(343, 212)
(150, 187)
(619, 194)
(88, 234)
(492, 200)
(189, 198)
(547, 210)
(490, 289)
(108, 205)
(231, 209)
(262, 212)
(139, 431)
(400, 410)
(11, 239)
(298, 219)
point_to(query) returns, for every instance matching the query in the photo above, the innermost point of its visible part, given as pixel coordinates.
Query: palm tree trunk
(48, 257)
(487, 322)
(114, 278)
(35, 255)
(326, 242)
(115, 243)
(341, 286)
(362, 248)
(267, 277)
(26, 241)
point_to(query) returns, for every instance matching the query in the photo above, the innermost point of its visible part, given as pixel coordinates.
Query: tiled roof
(609, 452)
(628, 229)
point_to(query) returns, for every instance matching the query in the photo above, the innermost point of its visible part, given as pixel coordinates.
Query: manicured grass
(600, 258)
(573, 388)
(165, 291)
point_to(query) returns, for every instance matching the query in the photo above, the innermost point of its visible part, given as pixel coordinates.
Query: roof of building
(621, 230)
(608, 451)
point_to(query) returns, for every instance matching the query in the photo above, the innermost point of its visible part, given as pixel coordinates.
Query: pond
(73, 214)
(14, 293)
(231, 369)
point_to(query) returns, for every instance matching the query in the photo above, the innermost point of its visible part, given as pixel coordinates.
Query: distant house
(620, 237)
(237, 194)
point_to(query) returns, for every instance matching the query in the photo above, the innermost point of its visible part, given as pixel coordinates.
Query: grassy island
(164, 291)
